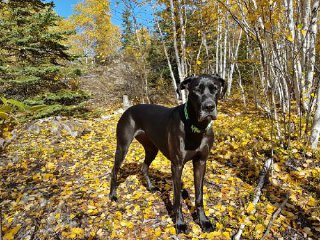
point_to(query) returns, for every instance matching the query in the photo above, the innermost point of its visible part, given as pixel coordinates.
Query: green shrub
(58, 109)
(62, 97)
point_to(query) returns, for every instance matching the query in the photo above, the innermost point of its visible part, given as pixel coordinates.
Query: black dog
(181, 133)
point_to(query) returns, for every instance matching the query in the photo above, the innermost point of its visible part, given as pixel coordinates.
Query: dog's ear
(223, 85)
(223, 88)
(185, 83)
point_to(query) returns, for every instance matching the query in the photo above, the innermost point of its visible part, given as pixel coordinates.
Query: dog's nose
(209, 107)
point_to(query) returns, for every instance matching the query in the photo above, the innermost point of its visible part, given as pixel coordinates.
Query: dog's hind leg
(150, 153)
(125, 135)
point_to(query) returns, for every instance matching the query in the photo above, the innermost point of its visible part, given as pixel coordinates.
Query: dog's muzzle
(208, 112)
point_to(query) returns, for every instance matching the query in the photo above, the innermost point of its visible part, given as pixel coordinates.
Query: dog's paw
(206, 226)
(182, 228)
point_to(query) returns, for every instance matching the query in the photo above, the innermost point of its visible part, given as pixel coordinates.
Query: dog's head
(204, 91)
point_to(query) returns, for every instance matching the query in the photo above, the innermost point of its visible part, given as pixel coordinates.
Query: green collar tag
(186, 111)
(194, 129)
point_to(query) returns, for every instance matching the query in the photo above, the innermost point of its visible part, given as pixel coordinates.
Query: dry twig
(274, 217)
(257, 194)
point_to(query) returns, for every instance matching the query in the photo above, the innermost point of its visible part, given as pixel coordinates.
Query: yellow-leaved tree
(96, 35)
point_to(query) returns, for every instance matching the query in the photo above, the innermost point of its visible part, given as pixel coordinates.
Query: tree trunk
(316, 122)
(173, 79)
(225, 48)
(176, 50)
(313, 29)
(182, 41)
(234, 57)
(243, 95)
(313, 32)
(218, 43)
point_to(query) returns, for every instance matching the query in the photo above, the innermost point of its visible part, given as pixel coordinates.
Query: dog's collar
(194, 128)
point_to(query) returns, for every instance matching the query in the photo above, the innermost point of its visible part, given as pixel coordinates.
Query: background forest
(62, 82)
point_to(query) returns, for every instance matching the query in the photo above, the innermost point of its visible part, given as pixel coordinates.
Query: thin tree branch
(274, 216)
(264, 172)
(245, 27)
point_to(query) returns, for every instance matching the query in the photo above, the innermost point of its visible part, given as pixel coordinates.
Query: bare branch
(274, 216)
(264, 172)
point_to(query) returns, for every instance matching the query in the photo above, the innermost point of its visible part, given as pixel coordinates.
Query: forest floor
(55, 183)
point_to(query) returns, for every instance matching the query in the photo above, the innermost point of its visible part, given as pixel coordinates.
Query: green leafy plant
(12, 107)
(63, 97)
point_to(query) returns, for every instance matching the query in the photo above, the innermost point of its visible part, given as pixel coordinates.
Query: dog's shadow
(162, 182)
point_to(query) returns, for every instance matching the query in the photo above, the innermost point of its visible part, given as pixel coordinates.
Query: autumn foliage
(56, 183)
(62, 83)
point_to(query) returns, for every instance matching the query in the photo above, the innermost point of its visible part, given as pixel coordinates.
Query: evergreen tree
(128, 32)
(30, 47)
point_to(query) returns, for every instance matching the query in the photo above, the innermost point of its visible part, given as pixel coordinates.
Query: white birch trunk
(176, 50)
(305, 22)
(225, 46)
(314, 139)
(313, 31)
(173, 79)
(182, 41)
(297, 76)
(204, 40)
(233, 63)
(175, 44)
(221, 53)
(218, 44)
(242, 89)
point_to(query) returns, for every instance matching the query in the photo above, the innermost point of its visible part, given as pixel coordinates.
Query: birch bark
(313, 31)
(173, 79)
(233, 63)
(176, 50)
(182, 41)
(315, 132)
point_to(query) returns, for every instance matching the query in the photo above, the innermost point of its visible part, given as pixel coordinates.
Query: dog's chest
(195, 141)
(197, 147)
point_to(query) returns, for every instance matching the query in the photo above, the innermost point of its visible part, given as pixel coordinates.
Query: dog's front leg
(199, 169)
(176, 178)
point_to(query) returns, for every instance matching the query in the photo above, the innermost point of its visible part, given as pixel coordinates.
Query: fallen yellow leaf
(250, 208)
(11, 233)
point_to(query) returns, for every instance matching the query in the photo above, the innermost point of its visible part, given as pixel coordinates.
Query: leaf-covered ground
(55, 184)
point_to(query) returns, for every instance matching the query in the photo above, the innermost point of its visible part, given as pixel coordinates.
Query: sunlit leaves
(73, 233)
(10, 235)
(250, 208)
(259, 228)
(96, 35)
(290, 38)
(63, 181)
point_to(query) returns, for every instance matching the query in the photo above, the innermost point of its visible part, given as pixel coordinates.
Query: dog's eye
(200, 89)
(212, 88)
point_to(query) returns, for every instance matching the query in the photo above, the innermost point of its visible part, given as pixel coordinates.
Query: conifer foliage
(30, 46)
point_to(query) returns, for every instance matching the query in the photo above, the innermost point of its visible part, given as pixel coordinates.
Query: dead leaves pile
(55, 185)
